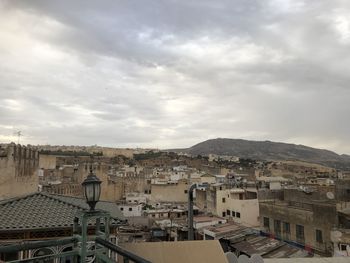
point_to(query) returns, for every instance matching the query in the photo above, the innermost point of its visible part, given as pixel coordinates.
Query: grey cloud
(172, 73)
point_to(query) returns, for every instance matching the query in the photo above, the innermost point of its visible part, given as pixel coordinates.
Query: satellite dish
(330, 195)
(243, 259)
(255, 258)
(231, 257)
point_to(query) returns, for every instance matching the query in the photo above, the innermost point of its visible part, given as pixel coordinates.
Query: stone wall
(18, 170)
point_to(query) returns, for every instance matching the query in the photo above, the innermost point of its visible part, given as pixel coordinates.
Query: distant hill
(267, 150)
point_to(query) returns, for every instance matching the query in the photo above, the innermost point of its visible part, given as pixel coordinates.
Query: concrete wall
(169, 192)
(136, 210)
(208, 179)
(248, 209)
(47, 161)
(201, 199)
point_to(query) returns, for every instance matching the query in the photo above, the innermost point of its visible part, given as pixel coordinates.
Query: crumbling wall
(18, 170)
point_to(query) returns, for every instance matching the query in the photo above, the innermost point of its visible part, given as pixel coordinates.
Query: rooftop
(43, 211)
(201, 219)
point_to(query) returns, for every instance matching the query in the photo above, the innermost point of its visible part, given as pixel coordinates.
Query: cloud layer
(173, 73)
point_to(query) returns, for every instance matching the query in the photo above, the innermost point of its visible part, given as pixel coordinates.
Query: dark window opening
(267, 223)
(277, 227)
(286, 230)
(319, 237)
(300, 233)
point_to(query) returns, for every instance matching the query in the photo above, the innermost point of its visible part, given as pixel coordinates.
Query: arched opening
(43, 252)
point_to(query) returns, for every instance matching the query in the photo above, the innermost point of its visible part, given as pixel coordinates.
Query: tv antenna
(19, 134)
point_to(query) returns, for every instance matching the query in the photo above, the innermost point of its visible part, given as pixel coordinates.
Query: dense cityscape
(275, 209)
(174, 131)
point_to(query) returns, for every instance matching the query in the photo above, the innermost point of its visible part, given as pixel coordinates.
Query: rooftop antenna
(19, 134)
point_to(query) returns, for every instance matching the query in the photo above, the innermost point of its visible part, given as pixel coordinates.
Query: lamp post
(92, 190)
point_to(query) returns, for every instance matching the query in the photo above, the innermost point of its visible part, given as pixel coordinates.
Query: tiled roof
(42, 211)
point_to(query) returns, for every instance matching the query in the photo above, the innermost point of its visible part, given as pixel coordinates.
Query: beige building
(239, 205)
(306, 218)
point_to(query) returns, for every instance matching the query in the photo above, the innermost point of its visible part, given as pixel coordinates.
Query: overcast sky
(173, 73)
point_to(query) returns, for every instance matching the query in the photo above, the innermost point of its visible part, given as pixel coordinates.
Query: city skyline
(173, 74)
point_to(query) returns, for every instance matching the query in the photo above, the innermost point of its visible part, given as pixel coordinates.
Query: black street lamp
(92, 190)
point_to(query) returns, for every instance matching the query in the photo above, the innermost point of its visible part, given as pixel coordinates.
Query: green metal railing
(78, 243)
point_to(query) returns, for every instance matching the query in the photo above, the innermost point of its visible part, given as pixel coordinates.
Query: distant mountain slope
(267, 150)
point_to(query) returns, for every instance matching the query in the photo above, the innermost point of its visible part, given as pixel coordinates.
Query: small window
(267, 223)
(130, 208)
(228, 212)
(223, 214)
(342, 247)
(277, 227)
(223, 200)
(286, 228)
(319, 237)
(185, 191)
(122, 209)
(299, 231)
(153, 215)
(220, 188)
(233, 213)
(238, 214)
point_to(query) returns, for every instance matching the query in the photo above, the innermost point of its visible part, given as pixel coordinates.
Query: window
(130, 208)
(122, 209)
(342, 247)
(228, 212)
(238, 214)
(185, 191)
(233, 213)
(223, 214)
(299, 231)
(223, 200)
(267, 223)
(286, 230)
(319, 237)
(277, 227)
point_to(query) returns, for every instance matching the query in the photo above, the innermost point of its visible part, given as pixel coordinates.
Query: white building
(131, 210)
